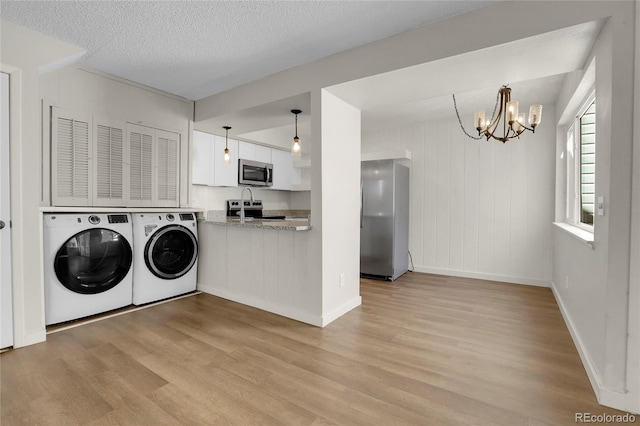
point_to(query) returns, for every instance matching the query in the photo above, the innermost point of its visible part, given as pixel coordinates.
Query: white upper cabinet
(71, 151)
(140, 165)
(246, 151)
(282, 169)
(225, 174)
(154, 167)
(167, 167)
(209, 167)
(263, 154)
(202, 170)
(100, 162)
(109, 178)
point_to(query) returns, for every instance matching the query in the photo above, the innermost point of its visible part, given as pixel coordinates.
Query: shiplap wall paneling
(471, 203)
(518, 200)
(266, 268)
(477, 207)
(430, 194)
(457, 199)
(416, 207)
(486, 206)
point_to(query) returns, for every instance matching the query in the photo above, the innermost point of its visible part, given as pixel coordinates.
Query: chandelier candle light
(227, 158)
(296, 148)
(512, 120)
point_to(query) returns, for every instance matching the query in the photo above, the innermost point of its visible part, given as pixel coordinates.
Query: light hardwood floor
(424, 350)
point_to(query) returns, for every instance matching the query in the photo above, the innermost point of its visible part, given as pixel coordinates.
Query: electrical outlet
(341, 280)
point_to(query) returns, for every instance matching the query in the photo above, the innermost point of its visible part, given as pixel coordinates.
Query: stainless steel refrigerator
(384, 219)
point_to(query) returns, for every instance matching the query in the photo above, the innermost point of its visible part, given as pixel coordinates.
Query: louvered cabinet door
(71, 151)
(141, 162)
(167, 168)
(109, 178)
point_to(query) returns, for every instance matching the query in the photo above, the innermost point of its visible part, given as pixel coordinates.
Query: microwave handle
(268, 175)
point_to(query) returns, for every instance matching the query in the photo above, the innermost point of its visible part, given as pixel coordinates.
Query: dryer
(88, 262)
(165, 255)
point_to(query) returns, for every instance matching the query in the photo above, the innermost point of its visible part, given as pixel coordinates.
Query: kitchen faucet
(242, 202)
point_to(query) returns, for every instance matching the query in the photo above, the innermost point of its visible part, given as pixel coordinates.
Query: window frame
(574, 167)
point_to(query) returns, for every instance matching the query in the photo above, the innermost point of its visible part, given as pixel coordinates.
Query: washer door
(93, 261)
(171, 252)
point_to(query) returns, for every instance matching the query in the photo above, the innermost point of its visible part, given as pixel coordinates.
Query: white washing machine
(88, 263)
(165, 254)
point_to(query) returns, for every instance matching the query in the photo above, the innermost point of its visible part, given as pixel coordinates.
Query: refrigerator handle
(361, 203)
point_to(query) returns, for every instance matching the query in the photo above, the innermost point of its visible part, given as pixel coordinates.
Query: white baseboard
(340, 310)
(483, 276)
(285, 311)
(264, 305)
(604, 395)
(30, 339)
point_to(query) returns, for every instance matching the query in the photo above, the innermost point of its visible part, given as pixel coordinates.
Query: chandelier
(508, 119)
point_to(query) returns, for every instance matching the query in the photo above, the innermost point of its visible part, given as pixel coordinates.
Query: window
(581, 166)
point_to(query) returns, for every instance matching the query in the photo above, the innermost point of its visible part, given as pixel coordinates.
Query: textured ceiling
(198, 48)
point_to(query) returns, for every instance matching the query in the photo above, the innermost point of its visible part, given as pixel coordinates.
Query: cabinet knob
(1, 224)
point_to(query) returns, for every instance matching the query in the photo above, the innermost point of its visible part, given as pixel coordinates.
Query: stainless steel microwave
(255, 173)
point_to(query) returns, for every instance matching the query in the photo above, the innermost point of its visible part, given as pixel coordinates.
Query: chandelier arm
(455, 106)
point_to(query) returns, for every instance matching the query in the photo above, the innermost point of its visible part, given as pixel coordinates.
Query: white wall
(592, 284)
(23, 54)
(478, 208)
(116, 99)
(340, 136)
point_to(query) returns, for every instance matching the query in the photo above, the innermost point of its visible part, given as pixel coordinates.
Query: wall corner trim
(604, 395)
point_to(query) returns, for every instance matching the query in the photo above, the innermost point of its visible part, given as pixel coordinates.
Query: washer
(165, 255)
(87, 264)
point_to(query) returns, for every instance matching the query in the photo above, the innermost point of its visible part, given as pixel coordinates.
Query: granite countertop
(292, 222)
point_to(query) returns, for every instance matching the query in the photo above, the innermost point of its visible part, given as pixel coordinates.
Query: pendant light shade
(227, 157)
(296, 147)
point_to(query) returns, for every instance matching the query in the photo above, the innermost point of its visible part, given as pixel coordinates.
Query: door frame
(6, 289)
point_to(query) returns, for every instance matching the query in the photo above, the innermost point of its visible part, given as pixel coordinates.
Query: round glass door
(171, 252)
(93, 261)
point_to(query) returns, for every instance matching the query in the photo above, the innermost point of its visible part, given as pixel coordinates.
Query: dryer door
(171, 252)
(93, 261)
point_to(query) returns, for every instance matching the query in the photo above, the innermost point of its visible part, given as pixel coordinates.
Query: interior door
(6, 303)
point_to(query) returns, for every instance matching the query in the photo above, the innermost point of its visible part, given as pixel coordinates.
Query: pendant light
(296, 147)
(227, 157)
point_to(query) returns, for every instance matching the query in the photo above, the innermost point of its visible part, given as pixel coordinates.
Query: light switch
(600, 206)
